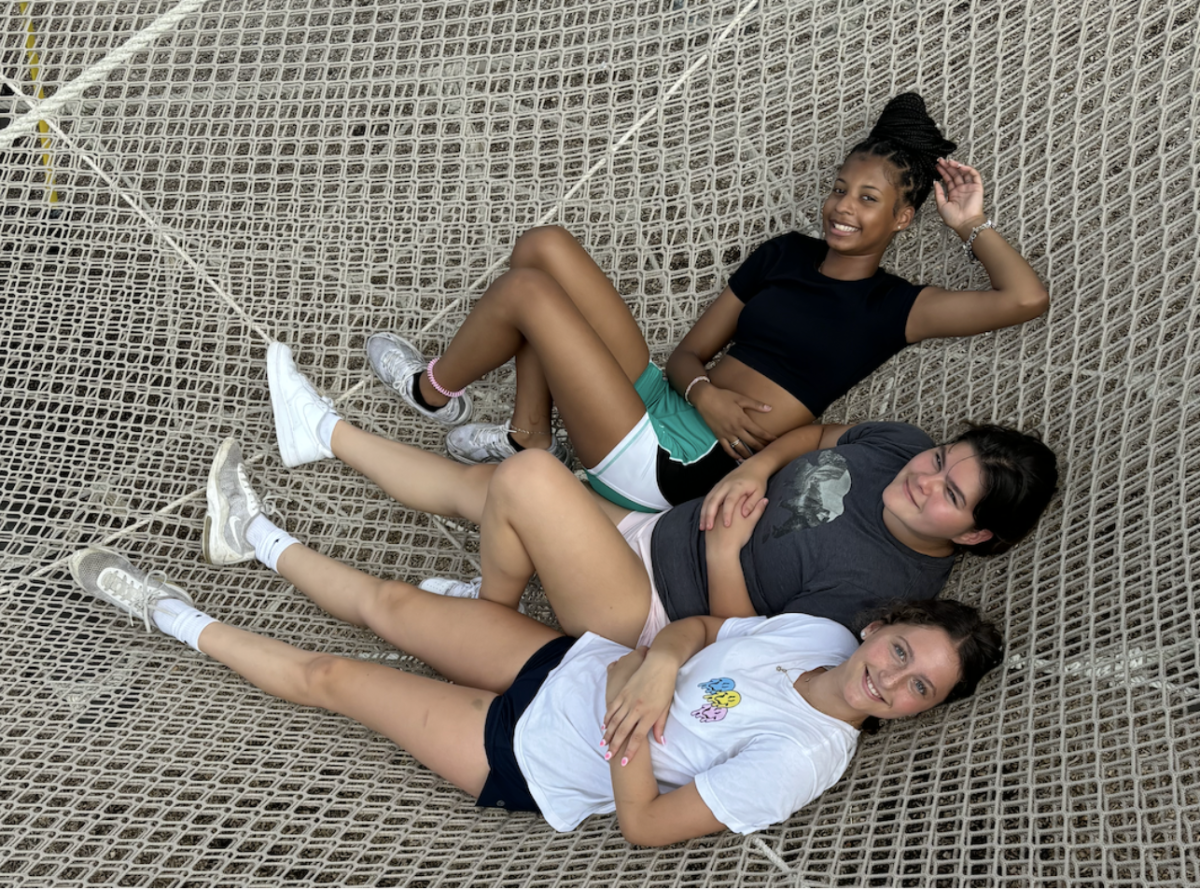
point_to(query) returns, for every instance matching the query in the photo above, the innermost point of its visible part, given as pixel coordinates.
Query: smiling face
(861, 214)
(930, 505)
(899, 670)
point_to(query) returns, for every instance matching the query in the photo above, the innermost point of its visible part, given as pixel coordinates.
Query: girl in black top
(810, 319)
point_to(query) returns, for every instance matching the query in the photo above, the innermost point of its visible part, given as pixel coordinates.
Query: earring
(862, 634)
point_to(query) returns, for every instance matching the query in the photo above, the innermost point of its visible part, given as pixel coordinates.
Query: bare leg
(555, 251)
(539, 517)
(439, 724)
(415, 478)
(531, 417)
(556, 301)
(473, 642)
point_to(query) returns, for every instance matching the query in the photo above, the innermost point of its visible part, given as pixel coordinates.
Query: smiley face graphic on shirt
(719, 697)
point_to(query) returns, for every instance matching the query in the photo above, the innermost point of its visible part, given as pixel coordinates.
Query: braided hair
(909, 139)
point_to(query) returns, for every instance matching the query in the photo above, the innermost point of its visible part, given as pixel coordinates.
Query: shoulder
(822, 639)
(893, 281)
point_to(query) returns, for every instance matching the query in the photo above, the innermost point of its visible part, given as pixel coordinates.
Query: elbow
(1035, 302)
(633, 836)
(635, 832)
(631, 828)
(678, 354)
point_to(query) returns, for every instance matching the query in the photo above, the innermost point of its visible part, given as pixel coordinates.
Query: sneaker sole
(214, 549)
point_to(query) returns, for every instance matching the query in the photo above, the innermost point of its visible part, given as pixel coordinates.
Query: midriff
(787, 412)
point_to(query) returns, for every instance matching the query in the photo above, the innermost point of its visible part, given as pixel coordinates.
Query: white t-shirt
(755, 748)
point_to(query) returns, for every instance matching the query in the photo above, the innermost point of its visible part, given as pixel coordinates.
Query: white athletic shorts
(628, 475)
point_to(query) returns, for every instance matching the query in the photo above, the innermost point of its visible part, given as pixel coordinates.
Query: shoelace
(396, 365)
(152, 591)
(483, 436)
(253, 504)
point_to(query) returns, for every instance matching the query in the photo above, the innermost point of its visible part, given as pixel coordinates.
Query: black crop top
(815, 336)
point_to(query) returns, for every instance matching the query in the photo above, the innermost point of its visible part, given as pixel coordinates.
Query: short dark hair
(979, 643)
(909, 139)
(1020, 476)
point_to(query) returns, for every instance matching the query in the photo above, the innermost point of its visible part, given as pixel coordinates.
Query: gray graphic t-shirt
(821, 547)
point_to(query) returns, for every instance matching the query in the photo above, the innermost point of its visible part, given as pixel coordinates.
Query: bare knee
(540, 244)
(386, 598)
(521, 291)
(322, 680)
(531, 477)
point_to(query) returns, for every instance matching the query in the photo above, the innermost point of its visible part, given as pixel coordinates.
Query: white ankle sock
(325, 429)
(177, 619)
(268, 541)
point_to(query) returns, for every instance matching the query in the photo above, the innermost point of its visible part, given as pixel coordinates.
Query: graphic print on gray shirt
(821, 547)
(817, 493)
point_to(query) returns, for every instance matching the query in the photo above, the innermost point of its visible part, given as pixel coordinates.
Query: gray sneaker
(488, 443)
(395, 362)
(111, 577)
(232, 503)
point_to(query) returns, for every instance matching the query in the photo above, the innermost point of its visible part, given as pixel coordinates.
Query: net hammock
(181, 181)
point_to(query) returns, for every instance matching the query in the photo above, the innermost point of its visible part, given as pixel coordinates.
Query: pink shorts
(636, 529)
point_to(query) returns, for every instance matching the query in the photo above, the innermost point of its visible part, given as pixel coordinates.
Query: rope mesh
(228, 171)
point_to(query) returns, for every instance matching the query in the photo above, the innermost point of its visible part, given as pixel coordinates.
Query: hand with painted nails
(639, 694)
(959, 195)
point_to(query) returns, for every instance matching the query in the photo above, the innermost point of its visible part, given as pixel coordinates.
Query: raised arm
(639, 692)
(1017, 294)
(722, 409)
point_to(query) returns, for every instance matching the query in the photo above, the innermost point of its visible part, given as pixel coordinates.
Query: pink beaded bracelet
(687, 392)
(447, 393)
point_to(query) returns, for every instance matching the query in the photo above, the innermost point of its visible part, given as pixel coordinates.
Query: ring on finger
(735, 443)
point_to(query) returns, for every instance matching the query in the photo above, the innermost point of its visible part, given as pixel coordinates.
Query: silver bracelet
(988, 224)
(687, 392)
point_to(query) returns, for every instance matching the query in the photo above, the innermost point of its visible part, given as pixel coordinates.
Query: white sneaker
(488, 443)
(463, 589)
(395, 362)
(298, 409)
(449, 587)
(232, 503)
(111, 577)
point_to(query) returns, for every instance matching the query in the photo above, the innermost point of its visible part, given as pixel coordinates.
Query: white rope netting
(197, 177)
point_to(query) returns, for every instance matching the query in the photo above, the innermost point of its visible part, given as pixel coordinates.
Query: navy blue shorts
(506, 786)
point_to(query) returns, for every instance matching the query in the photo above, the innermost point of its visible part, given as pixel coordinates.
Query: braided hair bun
(909, 139)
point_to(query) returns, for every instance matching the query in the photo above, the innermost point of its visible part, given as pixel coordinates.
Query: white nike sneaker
(298, 409)
(488, 443)
(232, 503)
(462, 589)
(395, 362)
(110, 576)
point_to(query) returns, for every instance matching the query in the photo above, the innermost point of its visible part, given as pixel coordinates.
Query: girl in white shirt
(748, 719)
